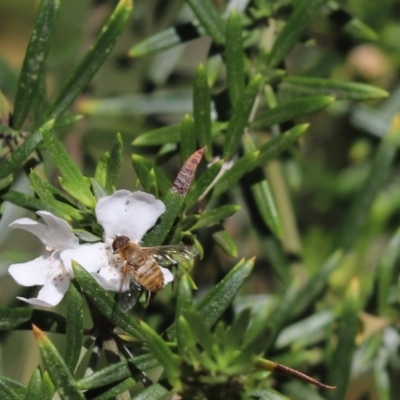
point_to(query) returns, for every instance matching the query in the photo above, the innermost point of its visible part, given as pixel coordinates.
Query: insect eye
(119, 242)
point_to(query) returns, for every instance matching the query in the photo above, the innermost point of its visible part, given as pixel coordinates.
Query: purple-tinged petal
(51, 293)
(128, 214)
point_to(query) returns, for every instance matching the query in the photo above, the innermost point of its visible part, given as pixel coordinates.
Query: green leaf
(40, 100)
(315, 286)
(160, 136)
(153, 392)
(360, 30)
(268, 394)
(281, 314)
(73, 180)
(235, 173)
(23, 318)
(5, 117)
(251, 160)
(351, 25)
(105, 303)
(152, 183)
(144, 362)
(111, 393)
(217, 300)
(340, 366)
(166, 39)
(202, 333)
(386, 272)
(290, 110)
(35, 58)
(173, 203)
(170, 134)
(184, 225)
(185, 297)
(127, 106)
(341, 90)
(86, 236)
(114, 164)
(143, 166)
(202, 110)
(235, 334)
(56, 367)
(262, 194)
(11, 390)
(188, 138)
(105, 376)
(186, 341)
(82, 193)
(74, 336)
(48, 194)
(298, 298)
(381, 166)
(306, 331)
(203, 183)
(100, 174)
(34, 391)
(234, 58)
(240, 117)
(18, 156)
(98, 190)
(280, 143)
(166, 152)
(304, 12)
(5, 182)
(116, 372)
(215, 215)
(92, 60)
(24, 200)
(266, 206)
(383, 381)
(48, 388)
(209, 18)
(224, 240)
(66, 121)
(162, 353)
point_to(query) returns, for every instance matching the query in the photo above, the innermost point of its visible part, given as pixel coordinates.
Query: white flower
(53, 270)
(122, 214)
(126, 214)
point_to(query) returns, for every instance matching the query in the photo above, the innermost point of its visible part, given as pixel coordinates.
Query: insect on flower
(143, 266)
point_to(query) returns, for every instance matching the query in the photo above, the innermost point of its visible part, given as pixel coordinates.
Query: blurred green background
(314, 184)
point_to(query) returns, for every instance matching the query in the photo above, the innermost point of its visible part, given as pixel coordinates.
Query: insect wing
(128, 298)
(171, 255)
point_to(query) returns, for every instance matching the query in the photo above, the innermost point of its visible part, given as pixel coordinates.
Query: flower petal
(168, 276)
(109, 282)
(36, 302)
(55, 234)
(92, 257)
(128, 214)
(51, 293)
(33, 272)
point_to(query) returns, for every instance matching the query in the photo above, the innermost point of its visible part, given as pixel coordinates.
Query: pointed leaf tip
(39, 335)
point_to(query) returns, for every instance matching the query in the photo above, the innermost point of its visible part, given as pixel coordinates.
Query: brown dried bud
(185, 175)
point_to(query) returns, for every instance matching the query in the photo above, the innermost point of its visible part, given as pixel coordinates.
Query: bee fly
(142, 266)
